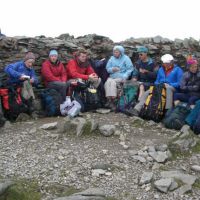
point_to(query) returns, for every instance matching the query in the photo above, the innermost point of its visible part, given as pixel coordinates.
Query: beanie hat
(29, 56)
(53, 53)
(191, 60)
(167, 58)
(142, 49)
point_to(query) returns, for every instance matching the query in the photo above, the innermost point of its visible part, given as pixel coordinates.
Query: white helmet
(167, 58)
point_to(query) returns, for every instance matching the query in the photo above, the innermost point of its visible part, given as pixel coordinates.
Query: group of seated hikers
(142, 89)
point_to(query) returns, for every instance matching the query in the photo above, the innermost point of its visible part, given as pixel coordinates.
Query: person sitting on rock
(170, 74)
(119, 67)
(147, 71)
(54, 74)
(22, 74)
(190, 84)
(80, 68)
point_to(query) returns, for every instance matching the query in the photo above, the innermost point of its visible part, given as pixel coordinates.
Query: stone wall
(13, 48)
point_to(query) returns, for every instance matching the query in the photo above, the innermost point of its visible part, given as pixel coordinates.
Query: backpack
(51, 100)
(87, 96)
(175, 117)
(154, 106)
(192, 117)
(196, 127)
(12, 102)
(128, 98)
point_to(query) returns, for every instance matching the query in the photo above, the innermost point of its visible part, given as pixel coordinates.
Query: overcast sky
(116, 19)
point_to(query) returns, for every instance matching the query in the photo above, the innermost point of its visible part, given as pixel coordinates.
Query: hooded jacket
(173, 78)
(74, 70)
(123, 63)
(16, 70)
(53, 72)
(190, 83)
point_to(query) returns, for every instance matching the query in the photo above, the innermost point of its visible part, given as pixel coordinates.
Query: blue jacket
(173, 78)
(123, 62)
(16, 70)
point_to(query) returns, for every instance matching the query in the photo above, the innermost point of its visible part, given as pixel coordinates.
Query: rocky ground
(124, 158)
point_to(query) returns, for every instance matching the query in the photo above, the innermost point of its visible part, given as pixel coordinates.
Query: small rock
(146, 178)
(163, 184)
(173, 186)
(185, 188)
(159, 156)
(107, 130)
(162, 147)
(196, 168)
(98, 172)
(103, 111)
(139, 158)
(49, 126)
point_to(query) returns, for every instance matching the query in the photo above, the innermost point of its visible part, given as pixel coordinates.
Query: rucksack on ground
(192, 117)
(12, 102)
(175, 117)
(128, 97)
(154, 107)
(87, 96)
(51, 100)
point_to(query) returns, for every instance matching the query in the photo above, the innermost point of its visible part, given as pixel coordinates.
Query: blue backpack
(51, 100)
(193, 119)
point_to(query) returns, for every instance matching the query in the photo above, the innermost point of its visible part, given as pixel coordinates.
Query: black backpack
(12, 102)
(51, 100)
(154, 106)
(87, 96)
(175, 117)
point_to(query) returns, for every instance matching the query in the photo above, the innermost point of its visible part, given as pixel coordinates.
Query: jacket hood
(119, 48)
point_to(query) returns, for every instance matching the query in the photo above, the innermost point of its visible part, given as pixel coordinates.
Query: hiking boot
(107, 104)
(132, 112)
(112, 107)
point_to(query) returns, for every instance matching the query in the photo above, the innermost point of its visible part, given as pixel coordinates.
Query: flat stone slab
(49, 126)
(146, 178)
(185, 178)
(163, 185)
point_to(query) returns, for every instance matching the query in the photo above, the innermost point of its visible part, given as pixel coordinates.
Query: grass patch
(176, 152)
(61, 190)
(197, 183)
(22, 190)
(196, 148)
(138, 123)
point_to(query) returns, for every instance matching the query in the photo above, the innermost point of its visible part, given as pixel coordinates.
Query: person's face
(143, 56)
(29, 63)
(193, 68)
(168, 65)
(82, 57)
(53, 58)
(117, 53)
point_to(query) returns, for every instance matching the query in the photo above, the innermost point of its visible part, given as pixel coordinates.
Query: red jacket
(75, 71)
(51, 72)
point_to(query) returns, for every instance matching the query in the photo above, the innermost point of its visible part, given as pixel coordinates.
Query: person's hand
(143, 70)
(115, 69)
(32, 80)
(166, 84)
(93, 77)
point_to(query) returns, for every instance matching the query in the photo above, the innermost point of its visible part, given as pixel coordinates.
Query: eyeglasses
(141, 54)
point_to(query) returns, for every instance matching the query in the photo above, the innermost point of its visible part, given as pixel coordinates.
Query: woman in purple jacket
(190, 84)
